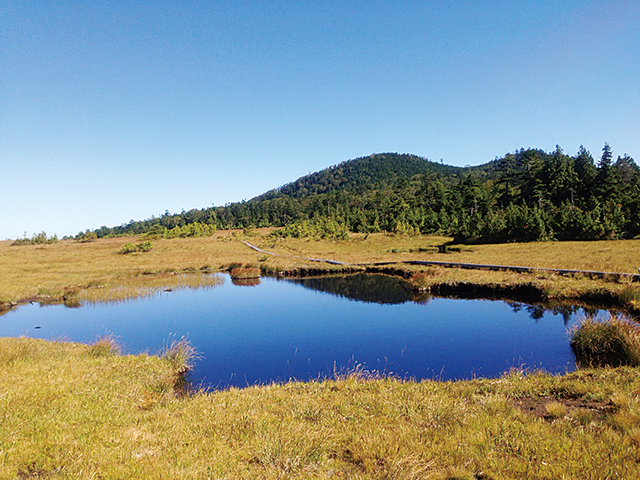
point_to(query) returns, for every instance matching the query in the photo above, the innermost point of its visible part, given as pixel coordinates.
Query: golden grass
(610, 342)
(94, 271)
(29, 271)
(244, 273)
(68, 413)
(621, 256)
(83, 411)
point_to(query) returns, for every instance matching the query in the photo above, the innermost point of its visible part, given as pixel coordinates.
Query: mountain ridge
(528, 195)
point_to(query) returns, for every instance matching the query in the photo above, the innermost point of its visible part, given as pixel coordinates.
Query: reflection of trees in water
(362, 287)
(566, 311)
(382, 289)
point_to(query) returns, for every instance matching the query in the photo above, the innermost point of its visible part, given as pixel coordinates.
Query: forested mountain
(523, 196)
(360, 175)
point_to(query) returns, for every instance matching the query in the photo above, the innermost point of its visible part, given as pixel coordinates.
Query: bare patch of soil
(538, 406)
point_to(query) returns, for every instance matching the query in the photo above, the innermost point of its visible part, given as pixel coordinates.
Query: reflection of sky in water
(277, 330)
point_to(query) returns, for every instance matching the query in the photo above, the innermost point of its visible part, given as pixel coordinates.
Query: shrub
(37, 239)
(128, 248)
(190, 230)
(86, 237)
(612, 342)
(145, 247)
(140, 247)
(317, 229)
(155, 232)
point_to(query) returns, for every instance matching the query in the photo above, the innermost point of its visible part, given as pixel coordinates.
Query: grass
(622, 256)
(556, 409)
(138, 286)
(611, 342)
(68, 413)
(94, 271)
(244, 272)
(104, 347)
(87, 411)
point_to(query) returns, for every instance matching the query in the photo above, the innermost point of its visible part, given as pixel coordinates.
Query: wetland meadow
(111, 408)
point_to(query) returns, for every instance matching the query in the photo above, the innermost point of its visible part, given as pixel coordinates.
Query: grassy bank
(74, 411)
(84, 411)
(78, 272)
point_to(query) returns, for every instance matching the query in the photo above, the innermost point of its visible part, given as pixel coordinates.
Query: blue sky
(116, 110)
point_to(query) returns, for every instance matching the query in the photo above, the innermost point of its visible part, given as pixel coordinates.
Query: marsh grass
(84, 411)
(622, 256)
(613, 341)
(67, 413)
(556, 409)
(105, 346)
(140, 286)
(423, 279)
(100, 274)
(629, 296)
(244, 272)
(180, 354)
(26, 270)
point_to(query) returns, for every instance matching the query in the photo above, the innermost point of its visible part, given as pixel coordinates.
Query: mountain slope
(527, 195)
(364, 173)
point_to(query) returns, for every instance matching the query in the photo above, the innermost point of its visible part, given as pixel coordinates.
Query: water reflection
(276, 330)
(362, 287)
(384, 289)
(246, 282)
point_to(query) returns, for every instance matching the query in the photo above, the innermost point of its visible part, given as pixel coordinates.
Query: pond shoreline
(526, 291)
(68, 272)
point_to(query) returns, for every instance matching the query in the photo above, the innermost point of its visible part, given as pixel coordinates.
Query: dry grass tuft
(104, 347)
(556, 410)
(613, 341)
(240, 273)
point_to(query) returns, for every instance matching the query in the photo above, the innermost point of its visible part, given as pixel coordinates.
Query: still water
(310, 328)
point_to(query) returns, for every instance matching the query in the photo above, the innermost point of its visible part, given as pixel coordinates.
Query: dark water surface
(309, 328)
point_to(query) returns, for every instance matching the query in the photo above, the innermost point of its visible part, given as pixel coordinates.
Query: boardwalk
(472, 266)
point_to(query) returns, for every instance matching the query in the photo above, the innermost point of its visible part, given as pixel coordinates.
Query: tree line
(528, 195)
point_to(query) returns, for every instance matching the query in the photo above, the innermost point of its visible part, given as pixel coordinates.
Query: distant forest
(527, 195)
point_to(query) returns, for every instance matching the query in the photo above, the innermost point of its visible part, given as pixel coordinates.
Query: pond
(273, 330)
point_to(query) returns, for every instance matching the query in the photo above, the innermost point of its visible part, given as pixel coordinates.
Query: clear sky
(119, 110)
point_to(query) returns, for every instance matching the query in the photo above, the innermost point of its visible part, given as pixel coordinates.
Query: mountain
(527, 195)
(361, 174)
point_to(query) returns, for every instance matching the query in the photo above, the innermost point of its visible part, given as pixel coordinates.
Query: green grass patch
(137, 248)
